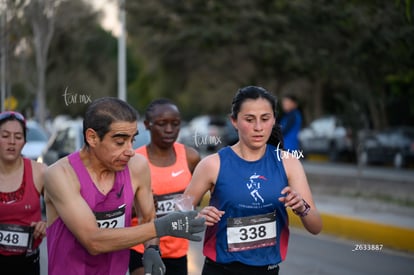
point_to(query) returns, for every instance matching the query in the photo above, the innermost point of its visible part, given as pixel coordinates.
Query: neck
(248, 153)
(95, 168)
(161, 156)
(9, 167)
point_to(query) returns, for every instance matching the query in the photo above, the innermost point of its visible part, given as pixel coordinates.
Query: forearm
(107, 240)
(312, 221)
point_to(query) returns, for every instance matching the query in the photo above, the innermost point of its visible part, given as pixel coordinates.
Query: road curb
(366, 232)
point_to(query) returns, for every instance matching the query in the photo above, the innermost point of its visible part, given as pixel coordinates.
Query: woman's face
(255, 122)
(164, 125)
(11, 140)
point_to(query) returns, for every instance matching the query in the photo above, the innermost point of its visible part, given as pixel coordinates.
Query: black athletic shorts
(174, 266)
(236, 268)
(20, 264)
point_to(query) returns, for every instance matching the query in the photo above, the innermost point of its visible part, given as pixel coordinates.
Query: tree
(80, 60)
(41, 15)
(351, 53)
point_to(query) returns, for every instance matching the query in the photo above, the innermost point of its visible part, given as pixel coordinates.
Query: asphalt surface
(370, 205)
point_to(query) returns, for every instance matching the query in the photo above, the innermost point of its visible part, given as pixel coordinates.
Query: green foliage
(353, 58)
(347, 50)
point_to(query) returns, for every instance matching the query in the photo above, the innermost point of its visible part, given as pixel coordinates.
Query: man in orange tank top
(171, 166)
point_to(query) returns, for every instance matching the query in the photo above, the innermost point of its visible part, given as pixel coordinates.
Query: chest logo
(176, 174)
(253, 185)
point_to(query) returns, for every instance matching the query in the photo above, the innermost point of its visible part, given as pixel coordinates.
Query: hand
(211, 214)
(292, 199)
(39, 229)
(181, 225)
(152, 262)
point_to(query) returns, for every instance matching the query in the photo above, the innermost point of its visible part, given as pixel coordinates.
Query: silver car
(328, 136)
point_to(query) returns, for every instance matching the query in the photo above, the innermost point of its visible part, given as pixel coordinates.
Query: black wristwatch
(156, 247)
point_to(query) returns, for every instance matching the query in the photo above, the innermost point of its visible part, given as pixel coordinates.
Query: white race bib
(165, 203)
(111, 219)
(15, 238)
(251, 232)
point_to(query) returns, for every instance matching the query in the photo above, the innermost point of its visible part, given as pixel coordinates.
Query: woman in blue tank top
(251, 184)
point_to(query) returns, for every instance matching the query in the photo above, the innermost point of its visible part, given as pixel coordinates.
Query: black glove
(181, 225)
(152, 262)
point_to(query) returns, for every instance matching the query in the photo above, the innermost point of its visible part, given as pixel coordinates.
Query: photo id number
(367, 247)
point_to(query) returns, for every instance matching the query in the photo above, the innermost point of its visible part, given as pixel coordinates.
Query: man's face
(115, 149)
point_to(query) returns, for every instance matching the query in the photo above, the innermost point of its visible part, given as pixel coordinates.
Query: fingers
(211, 215)
(291, 198)
(198, 225)
(39, 229)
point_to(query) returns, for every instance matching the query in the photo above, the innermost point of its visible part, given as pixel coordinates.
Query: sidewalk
(352, 204)
(365, 221)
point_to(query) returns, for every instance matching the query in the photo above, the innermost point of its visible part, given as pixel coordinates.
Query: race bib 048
(15, 238)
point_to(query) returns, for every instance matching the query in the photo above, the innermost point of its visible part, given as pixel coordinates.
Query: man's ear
(91, 137)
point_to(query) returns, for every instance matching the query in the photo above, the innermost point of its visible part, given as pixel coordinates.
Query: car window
(34, 134)
(323, 125)
(59, 140)
(69, 145)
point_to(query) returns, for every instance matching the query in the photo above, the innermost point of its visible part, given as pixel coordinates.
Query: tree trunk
(42, 19)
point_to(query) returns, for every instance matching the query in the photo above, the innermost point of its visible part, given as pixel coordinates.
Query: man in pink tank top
(90, 195)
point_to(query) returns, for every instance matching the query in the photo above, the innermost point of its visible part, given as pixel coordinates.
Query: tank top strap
(181, 156)
(28, 171)
(77, 164)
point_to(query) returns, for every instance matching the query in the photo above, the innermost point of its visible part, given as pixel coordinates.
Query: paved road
(322, 254)
(325, 254)
(316, 255)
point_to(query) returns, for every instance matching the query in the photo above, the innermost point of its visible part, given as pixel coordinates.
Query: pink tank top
(17, 215)
(65, 254)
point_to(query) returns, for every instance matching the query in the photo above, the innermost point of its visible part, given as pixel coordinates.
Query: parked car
(36, 140)
(208, 133)
(327, 135)
(393, 145)
(68, 138)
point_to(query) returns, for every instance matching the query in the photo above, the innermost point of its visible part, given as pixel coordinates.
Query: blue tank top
(254, 229)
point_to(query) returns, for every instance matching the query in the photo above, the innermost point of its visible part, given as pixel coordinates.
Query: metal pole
(121, 53)
(3, 40)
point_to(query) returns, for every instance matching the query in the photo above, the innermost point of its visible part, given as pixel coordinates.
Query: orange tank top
(168, 182)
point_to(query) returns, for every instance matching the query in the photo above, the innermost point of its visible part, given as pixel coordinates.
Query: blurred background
(350, 63)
